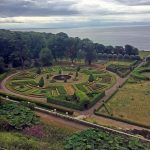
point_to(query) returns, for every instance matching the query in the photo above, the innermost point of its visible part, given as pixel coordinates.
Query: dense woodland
(23, 49)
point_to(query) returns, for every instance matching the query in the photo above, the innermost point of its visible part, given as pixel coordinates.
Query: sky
(73, 13)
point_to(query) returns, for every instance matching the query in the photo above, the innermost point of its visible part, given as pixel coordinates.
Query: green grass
(131, 102)
(144, 53)
(124, 63)
(17, 141)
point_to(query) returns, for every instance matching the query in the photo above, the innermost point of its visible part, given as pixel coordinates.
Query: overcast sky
(73, 13)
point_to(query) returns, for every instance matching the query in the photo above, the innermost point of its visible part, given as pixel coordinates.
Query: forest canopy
(23, 49)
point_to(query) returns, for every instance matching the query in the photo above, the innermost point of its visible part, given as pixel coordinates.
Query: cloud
(73, 11)
(13, 8)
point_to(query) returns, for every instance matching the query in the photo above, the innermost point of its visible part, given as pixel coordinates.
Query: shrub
(77, 74)
(60, 71)
(38, 70)
(18, 116)
(47, 77)
(36, 131)
(92, 139)
(4, 124)
(91, 78)
(78, 68)
(41, 82)
(40, 104)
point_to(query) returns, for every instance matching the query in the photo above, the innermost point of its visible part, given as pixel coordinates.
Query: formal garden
(70, 86)
(122, 68)
(131, 102)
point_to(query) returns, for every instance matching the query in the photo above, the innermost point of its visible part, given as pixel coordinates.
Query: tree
(130, 50)
(109, 49)
(2, 65)
(20, 49)
(119, 50)
(46, 57)
(100, 48)
(41, 82)
(73, 48)
(91, 78)
(90, 52)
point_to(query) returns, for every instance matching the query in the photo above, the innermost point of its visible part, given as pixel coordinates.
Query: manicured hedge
(137, 73)
(65, 103)
(40, 104)
(61, 90)
(122, 70)
(81, 87)
(97, 98)
(82, 105)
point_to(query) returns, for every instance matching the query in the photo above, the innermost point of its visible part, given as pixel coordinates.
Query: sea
(137, 36)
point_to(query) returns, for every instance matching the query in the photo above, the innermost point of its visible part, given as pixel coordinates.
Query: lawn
(124, 63)
(131, 102)
(144, 53)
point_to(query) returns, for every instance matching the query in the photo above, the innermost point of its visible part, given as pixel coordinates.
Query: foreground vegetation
(20, 128)
(42, 135)
(93, 139)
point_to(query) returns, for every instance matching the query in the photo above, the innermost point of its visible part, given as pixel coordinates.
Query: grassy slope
(144, 53)
(131, 102)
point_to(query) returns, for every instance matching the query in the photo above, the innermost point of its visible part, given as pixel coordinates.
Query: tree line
(23, 49)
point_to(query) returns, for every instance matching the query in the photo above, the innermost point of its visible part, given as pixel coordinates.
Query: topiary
(38, 70)
(41, 82)
(77, 74)
(47, 77)
(60, 71)
(78, 68)
(91, 78)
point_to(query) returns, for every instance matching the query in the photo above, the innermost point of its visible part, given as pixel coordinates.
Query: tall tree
(90, 52)
(46, 57)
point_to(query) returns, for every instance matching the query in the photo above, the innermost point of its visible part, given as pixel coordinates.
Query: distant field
(124, 63)
(131, 102)
(144, 53)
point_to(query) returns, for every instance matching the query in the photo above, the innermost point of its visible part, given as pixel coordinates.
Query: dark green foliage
(46, 57)
(47, 77)
(78, 68)
(38, 70)
(93, 139)
(61, 90)
(60, 71)
(137, 73)
(22, 48)
(18, 116)
(91, 78)
(41, 82)
(77, 74)
(40, 104)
